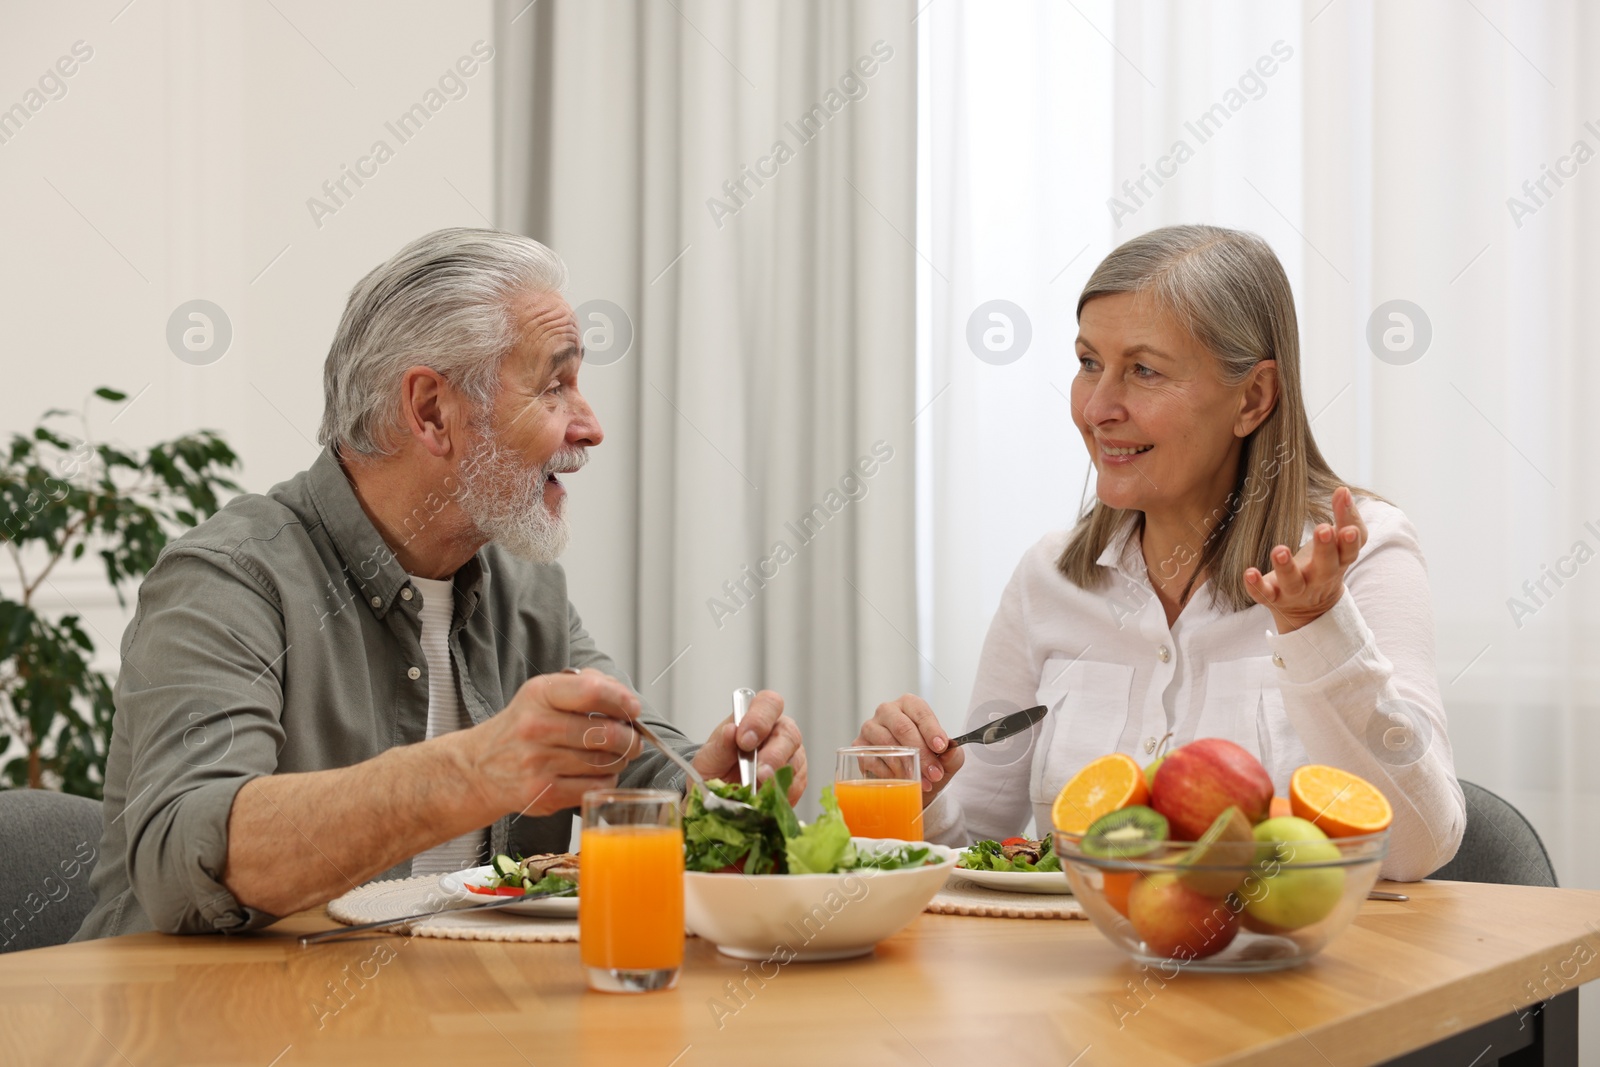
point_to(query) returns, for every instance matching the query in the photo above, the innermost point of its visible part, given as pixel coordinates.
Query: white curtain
(736, 181)
(1382, 149)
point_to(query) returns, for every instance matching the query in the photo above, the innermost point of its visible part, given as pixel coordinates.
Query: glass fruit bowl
(1236, 906)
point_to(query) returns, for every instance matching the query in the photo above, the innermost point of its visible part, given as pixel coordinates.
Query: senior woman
(1225, 583)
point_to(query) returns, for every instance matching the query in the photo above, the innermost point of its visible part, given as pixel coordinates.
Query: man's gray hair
(443, 301)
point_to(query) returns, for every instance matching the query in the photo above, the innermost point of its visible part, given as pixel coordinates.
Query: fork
(748, 763)
(405, 920)
(731, 807)
(711, 800)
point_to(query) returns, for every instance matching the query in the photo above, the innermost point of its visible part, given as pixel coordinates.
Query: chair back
(1499, 845)
(49, 842)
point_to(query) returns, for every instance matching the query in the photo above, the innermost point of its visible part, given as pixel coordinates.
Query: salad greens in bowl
(791, 891)
(715, 844)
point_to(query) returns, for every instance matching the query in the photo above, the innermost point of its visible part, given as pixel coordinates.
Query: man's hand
(910, 723)
(765, 727)
(561, 736)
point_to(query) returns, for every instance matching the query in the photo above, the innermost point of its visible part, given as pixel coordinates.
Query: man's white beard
(504, 499)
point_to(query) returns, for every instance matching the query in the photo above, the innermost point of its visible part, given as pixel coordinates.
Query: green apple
(1282, 894)
(1150, 771)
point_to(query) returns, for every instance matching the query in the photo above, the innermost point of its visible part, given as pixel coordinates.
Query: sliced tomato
(502, 891)
(1014, 841)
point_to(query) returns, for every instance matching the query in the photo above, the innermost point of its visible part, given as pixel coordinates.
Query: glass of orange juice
(630, 898)
(879, 789)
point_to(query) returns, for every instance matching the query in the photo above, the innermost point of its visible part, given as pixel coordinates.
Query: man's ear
(428, 406)
(1259, 397)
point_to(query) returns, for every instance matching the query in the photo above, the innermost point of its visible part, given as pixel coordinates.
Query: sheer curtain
(1383, 150)
(731, 186)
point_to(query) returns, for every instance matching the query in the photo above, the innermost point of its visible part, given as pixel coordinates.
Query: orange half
(1106, 784)
(1340, 803)
(1118, 884)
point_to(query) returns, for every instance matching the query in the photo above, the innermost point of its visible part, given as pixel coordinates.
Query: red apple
(1175, 921)
(1201, 780)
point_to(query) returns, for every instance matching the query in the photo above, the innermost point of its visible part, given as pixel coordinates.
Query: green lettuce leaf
(773, 800)
(895, 859)
(713, 842)
(824, 846)
(551, 883)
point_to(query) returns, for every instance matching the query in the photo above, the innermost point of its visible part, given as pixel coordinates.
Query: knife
(1001, 728)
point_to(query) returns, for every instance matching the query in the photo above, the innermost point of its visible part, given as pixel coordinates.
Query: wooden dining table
(1460, 974)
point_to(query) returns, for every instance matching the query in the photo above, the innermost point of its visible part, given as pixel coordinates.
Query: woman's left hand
(1307, 583)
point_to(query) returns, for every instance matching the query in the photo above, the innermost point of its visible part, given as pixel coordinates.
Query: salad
(553, 872)
(781, 844)
(1015, 854)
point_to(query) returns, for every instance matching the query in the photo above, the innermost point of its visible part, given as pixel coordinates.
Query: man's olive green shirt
(281, 635)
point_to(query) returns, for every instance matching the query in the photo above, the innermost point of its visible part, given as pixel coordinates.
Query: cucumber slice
(506, 867)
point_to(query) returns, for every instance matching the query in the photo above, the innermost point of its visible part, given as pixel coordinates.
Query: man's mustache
(567, 461)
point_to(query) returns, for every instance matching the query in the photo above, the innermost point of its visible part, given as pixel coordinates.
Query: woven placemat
(960, 897)
(376, 901)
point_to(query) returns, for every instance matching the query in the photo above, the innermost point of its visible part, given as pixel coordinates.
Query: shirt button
(377, 601)
(1149, 745)
(414, 673)
(1164, 653)
(405, 594)
(1277, 661)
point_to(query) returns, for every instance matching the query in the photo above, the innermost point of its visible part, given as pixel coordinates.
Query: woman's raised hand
(1303, 585)
(910, 723)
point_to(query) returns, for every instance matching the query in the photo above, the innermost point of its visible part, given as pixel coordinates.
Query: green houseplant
(62, 496)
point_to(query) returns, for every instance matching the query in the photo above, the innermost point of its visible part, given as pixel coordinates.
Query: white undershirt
(1118, 678)
(444, 715)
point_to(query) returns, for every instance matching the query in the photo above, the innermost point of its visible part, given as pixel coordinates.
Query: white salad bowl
(810, 917)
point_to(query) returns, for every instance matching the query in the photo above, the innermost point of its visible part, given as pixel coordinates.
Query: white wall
(178, 165)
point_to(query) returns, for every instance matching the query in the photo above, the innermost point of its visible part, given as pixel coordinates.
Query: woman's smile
(1118, 453)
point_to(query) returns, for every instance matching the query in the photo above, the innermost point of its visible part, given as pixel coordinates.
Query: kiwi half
(1125, 833)
(1226, 849)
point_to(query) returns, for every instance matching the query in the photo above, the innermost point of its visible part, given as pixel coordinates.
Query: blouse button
(1277, 661)
(405, 594)
(1164, 653)
(414, 673)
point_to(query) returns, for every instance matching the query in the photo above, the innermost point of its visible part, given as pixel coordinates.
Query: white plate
(1017, 881)
(548, 908)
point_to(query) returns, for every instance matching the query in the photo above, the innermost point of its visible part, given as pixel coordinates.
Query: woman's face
(1162, 429)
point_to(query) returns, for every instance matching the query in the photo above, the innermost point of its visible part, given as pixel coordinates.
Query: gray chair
(1499, 845)
(49, 842)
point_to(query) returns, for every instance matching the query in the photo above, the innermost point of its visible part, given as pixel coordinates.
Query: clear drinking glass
(879, 789)
(630, 900)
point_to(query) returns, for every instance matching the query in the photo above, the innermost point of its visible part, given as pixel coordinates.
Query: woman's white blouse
(1355, 689)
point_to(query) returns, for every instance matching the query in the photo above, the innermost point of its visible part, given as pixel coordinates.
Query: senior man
(368, 669)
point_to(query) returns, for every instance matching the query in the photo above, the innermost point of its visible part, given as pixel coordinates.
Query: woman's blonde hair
(1227, 288)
